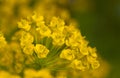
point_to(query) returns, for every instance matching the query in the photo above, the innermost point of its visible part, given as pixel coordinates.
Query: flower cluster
(54, 38)
(45, 46)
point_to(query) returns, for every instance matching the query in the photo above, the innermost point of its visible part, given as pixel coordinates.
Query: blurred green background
(99, 21)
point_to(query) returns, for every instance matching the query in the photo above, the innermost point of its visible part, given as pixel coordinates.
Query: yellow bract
(41, 50)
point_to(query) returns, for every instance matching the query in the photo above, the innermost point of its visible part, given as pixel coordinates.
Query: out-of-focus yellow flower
(31, 73)
(37, 18)
(28, 49)
(94, 63)
(58, 38)
(73, 36)
(2, 41)
(24, 25)
(26, 38)
(77, 64)
(92, 51)
(61, 74)
(44, 31)
(57, 24)
(67, 54)
(101, 72)
(4, 74)
(41, 50)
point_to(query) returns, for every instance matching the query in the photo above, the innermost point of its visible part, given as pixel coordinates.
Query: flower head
(53, 38)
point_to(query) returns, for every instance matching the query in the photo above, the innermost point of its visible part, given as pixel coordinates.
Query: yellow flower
(73, 36)
(58, 38)
(37, 18)
(44, 31)
(41, 50)
(95, 64)
(56, 24)
(77, 64)
(83, 50)
(67, 54)
(92, 51)
(2, 41)
(28, 49)
(93, 61)
(24, 24)
(4, 74)
(31, 73)
(26, 38)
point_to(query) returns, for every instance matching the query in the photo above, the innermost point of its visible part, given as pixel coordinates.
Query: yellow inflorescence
(51, 44)
(76, 49)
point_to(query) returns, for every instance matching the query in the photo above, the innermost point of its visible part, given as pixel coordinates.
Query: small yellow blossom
(83, 50)
(37, 18)
(24, 24)
(28, 49)
(95, 64)
(77, 64)
(57, 24)
(2, 41)
(58, 38)
(26, 38)
(90, 59)
(92, 51)
(44, 31)
(67, 54)
(41, 50)
(73, 36)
